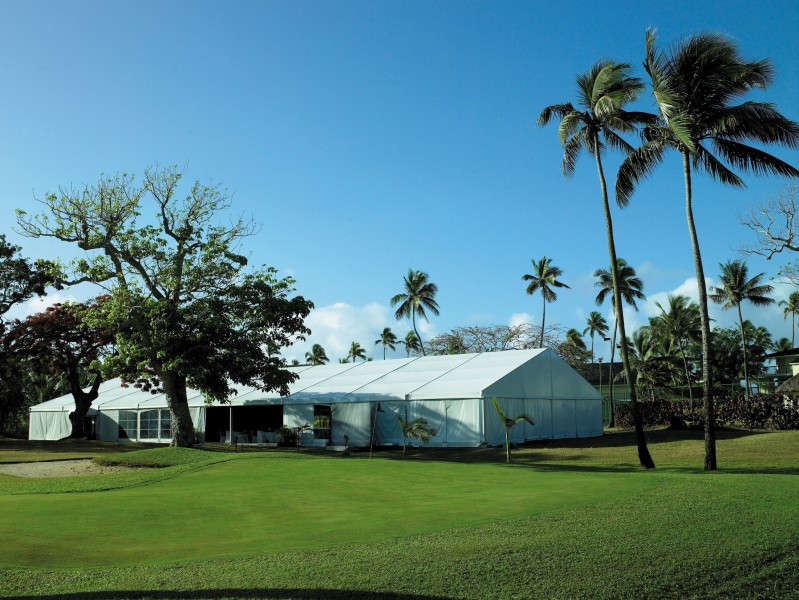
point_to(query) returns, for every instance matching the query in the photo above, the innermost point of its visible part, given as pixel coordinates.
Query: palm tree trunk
(592, 347)
(421, 343)
(543, 317)
(687, 373)
(643, 452)
(793, 329)
(610, 374)
(707, 387)
(507, 447)
(743, 346)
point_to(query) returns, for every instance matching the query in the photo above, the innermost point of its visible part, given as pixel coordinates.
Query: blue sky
(371, 137)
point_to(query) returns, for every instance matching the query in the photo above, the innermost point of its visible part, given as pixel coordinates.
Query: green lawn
(567, 519)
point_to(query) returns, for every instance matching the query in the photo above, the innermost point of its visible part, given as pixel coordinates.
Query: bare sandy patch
(60, 468)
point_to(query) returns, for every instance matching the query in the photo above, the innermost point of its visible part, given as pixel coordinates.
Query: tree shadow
(245, 594)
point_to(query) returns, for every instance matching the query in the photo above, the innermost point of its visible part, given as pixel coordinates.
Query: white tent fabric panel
(464, 422)
(541, 412)
(348, 386)
(495, 430)
(108, 425)
(435, 413)
(563, 419)
(387, 425)
(298, 415)
(532, 379)
(589, 418)
(198, 418)
(353, 420)
(415, 374)
(49, 425)
(566, 385)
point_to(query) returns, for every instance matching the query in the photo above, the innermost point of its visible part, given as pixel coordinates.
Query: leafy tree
(728, 356)
(651, 365)
(596, 324)
(317, 355)
(418, 429)
(493, 338)
(696, 86)
(682, 324)
(574, 338)
(598, 122)
(543, 279)
(388, 339)
(419, 297)
(411, 343)
(791, 308)
(63, 341)
(630, 289)
(187, 311)
(509, 423)
(737, 287)
(356, 351)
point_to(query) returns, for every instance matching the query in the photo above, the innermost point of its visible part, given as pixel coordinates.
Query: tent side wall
(49, 425)
(353, 420)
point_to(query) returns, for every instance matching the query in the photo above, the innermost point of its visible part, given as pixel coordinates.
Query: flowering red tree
(64, 340)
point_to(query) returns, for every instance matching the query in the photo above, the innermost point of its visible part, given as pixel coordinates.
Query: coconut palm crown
(544, 279)
(418, 298)
(317, 355)
(596, 324)
(388, 339)
(791, 308)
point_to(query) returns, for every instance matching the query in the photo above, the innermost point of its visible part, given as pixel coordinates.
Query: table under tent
(349, 403)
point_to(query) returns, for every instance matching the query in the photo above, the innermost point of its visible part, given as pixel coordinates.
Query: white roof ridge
(402, 366)
(354, 366)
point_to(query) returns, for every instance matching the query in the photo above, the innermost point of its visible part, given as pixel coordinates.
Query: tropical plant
(737, 287)
(543, 279)
(418, 429)
(317, 355)
(782, 344)
(696, 86)
(412, 343)
(574, 338)
(596, 324)
(356, 351)
(509, 423)
(419, 297)
(682, 324)
(603, 92)
(630, 286)
(791, 308)
(388, 339)
(651, 362)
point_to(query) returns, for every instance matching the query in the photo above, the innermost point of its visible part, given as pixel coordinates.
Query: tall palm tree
(603, 91)
(683, 325)
(412, 343)
(651, 366)
(543, 279)
(574, 338)
(596, 324)
(317, 355)
(736, 286)
(782, 344)
(389, 340)
(696, 86)
(791, 307)
(419, 296)
(356, 351)
(630, 289)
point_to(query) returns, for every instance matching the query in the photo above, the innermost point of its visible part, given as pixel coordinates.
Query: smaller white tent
(355, 402)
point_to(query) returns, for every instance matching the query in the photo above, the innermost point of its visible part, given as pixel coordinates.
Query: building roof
(591, 371)
(538, 373)
(791, 352)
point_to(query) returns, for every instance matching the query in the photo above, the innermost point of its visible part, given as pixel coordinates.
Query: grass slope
(569, 520)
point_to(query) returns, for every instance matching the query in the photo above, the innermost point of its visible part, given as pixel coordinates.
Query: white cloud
(520, 319)
(37, 305)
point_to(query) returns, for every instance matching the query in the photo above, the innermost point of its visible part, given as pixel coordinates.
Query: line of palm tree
(791, 307)
(543, 279)
(696, 86)
(356, 351)
(596, 324)
(736, 287)
(630, 289)
(682, 323)
(412, 343)
(317, 355)
(603, 92)
(419, 297)
(388, 339)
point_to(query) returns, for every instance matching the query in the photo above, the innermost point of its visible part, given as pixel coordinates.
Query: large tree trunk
(743, 347)
(687, 372)
(610, 374)
(543, 318)
(182, 426)
(643, 452)
(83, 401)
(421, 343)
(707, 383)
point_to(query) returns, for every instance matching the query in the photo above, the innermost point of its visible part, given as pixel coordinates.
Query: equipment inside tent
(353, 404)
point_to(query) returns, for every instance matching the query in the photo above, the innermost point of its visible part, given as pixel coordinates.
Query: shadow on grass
(278, 594)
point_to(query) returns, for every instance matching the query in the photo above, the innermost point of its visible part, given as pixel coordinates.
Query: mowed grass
(568, 519)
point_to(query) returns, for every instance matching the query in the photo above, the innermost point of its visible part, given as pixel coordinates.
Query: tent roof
(512, 374)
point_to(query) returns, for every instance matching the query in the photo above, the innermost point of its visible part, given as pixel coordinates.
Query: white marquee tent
(452, 392)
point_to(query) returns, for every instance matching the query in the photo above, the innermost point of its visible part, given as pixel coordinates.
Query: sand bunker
(59, 468)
